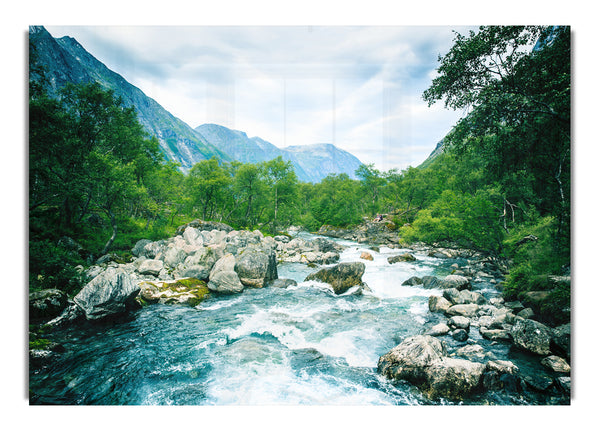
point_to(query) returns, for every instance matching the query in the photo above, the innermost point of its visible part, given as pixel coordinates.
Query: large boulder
(256, 266)
(47, 303)
(111, 292)
(189, 291)
(341, 277)
(223, 278)
(532, 336)
(455, 281)
(199, 264)
(438, 304)
(410, 359)
(140, 247)
(453, 378)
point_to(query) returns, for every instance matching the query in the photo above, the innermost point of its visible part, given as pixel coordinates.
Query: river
(302, 345)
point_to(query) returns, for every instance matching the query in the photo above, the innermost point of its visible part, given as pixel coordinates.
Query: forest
(98, 183)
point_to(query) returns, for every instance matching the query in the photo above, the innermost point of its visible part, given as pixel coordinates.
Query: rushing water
(299, 345)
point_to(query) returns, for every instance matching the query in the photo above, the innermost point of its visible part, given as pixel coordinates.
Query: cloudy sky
(356, 87)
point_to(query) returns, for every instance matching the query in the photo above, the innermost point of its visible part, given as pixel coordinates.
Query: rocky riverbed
(462, 350)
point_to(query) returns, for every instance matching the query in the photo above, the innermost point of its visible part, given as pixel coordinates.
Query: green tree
(249, 188)
(283, 185)
(206, 184)
(519, 102)
(372, 182)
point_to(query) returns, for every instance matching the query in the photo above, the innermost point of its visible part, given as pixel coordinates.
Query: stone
(439, 329)
(455, 281)
(341, 277)
(198, 265)
(150, 267)
(411, 358)
(256, 267)
(366, 256)
(430, 282)
(438, 304)
(460, 322)
(139, 248)
(188, 291)
(282, 283)
(471, 351)
(532, 336)
(556, 363)
(226, 282)
(460, 335)
(500, 375)
(406, 257)
(467, 310)
(174, 256)
(412, 281)
(453, 378)
(47, 303)
(192, 236)
(526, 313)
(561, 340)
(495, 334)
(111, 292)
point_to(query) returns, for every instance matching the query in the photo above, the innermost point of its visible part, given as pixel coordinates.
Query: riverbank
(274, 269)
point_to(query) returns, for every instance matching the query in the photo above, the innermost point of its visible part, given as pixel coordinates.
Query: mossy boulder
(187, 291)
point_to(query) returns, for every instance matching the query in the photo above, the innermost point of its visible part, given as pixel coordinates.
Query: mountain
(65, 60)
(439, 149)
(312, 163)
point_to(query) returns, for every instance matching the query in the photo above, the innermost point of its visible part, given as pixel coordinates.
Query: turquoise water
(270, 346)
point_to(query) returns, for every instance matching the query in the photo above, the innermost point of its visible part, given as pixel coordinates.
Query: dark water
(300, 345)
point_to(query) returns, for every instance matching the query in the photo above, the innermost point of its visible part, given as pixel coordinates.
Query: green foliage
(52, 266)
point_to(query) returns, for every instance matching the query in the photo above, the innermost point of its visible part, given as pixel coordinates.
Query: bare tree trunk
(113, 222)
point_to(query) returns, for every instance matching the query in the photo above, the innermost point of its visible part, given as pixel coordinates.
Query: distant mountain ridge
(65, 60)
(312, 163)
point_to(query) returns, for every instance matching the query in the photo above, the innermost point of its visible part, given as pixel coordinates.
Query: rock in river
(341, 277)
(110, 292)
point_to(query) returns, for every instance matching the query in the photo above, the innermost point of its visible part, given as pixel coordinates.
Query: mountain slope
(65, 60)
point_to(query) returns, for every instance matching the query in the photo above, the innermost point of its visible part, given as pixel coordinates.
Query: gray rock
(453, 378)
(139, 248)
(437, 330)
(526, 313)
(455, 281)
(283, 283)
(111, 292)
(47, 303)
(412, 281)
(406, 257)
(459, 322)
(430, 282)
(410, 359)
(467, 310)
(174, 256)
(438, 304)
(341, 277)
(495, 334)
(256, 266)
(532, 336)
(225, 282)
(556, 363)
(150, 267)
(460, 335)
